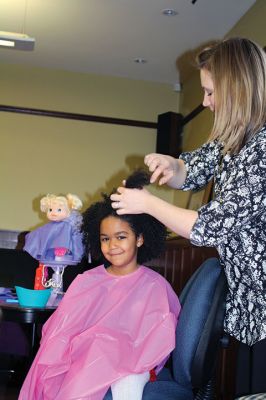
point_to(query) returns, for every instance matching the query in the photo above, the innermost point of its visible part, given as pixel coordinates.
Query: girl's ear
(140, 240)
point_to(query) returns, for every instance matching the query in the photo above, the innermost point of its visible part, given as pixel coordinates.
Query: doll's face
(57, 211)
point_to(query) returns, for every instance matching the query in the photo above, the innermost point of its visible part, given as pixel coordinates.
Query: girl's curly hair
(154, 232)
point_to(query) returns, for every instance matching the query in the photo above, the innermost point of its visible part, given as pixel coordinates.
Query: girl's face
(208, 88)
(57, 211)
(119, 245)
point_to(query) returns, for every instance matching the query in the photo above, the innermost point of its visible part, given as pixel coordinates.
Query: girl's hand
(163, 165)
(130, 201)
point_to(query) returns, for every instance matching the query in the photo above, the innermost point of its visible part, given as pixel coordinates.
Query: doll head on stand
(60, 239)
(57, 208)
(60, 209)
(59, 242)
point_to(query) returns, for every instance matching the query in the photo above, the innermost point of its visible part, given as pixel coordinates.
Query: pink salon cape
(105, 328)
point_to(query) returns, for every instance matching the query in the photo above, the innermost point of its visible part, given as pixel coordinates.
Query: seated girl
(116, 322)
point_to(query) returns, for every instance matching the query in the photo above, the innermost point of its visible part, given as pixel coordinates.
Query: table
(32, 316)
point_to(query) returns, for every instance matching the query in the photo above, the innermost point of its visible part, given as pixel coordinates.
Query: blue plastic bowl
(32, 298)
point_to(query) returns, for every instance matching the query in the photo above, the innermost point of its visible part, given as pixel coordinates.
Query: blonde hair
(71, 201)
(238, 70)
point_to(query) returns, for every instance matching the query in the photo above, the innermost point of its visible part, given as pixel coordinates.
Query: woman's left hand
(130, 201)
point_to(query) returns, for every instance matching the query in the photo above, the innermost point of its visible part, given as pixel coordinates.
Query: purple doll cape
(41, 242)
(106, 327)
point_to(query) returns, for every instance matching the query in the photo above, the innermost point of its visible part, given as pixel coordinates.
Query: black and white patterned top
(235, 223)
(258, 396)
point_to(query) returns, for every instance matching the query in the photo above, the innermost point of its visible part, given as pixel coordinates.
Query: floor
(11, 377)
(10, 393)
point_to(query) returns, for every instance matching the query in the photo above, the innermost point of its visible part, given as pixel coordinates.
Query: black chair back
(200, 326)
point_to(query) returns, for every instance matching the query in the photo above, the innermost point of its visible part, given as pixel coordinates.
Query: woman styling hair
(233, 78)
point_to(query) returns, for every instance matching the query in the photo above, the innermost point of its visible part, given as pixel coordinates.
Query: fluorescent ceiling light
(16, 41)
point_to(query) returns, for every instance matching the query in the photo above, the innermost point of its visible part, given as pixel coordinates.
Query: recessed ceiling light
(140, 60)
(170, 12)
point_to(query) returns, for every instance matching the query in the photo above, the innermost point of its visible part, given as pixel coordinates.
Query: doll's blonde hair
(71, 201)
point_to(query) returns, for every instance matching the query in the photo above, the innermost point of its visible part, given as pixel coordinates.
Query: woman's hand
(171, 170)
(138, 201)
(130, 201)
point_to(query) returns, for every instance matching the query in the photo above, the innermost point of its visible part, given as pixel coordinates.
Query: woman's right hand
(164, 167)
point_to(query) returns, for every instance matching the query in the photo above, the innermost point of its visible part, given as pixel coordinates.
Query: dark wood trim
(79, 117)
(169, 134)
(94, 118)
(193, 114)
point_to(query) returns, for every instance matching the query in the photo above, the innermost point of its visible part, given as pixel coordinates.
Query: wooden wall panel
(179, 260)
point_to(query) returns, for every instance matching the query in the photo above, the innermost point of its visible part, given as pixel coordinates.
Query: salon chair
(199, 335)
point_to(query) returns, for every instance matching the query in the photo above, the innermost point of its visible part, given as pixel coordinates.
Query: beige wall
(252, 25)
(40, 155)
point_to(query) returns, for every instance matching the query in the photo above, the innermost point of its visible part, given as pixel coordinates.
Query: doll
(60, 240)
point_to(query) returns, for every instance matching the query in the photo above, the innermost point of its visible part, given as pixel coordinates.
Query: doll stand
(56, 282)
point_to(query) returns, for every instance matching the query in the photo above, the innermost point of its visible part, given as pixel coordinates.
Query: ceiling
(106, 36)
